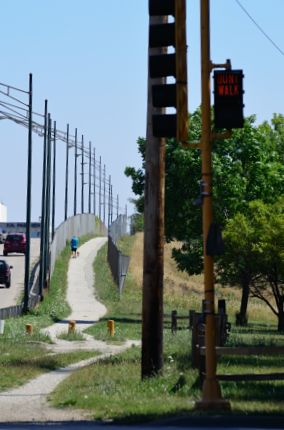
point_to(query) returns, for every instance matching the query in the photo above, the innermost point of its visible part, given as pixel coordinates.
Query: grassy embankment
(23, 356)
(113, 389)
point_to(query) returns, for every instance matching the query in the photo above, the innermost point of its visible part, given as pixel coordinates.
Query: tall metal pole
(95, 209)
(82, 175)
(75, 174)
(90, 175)
(104, 194)
(53, 179)
(211, 392)
(111, 207)
(100, 189)
(66, 173)
(43, 208)
(117, 205)
(48, 186)
(153, 264)
(28, 203)
(108, 218)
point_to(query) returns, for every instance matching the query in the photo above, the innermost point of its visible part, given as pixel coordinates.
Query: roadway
(186, 423)
(10, 296)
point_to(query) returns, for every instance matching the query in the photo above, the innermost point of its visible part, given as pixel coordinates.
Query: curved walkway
(29, 402)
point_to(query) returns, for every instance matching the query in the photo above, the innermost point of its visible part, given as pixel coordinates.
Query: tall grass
(113, 389)
(24, 356)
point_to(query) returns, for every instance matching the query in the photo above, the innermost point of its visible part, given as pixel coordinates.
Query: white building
(3, 213)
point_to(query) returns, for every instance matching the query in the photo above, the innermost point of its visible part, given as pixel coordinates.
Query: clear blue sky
(89, 59)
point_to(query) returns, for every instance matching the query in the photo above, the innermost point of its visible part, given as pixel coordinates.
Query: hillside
(183, 292)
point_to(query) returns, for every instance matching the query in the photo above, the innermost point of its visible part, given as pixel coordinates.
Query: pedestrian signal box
(228, 99)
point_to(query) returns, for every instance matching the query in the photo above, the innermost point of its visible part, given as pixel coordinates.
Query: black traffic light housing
(164, 65)
(228, 99)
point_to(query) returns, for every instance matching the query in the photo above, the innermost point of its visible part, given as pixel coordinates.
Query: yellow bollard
(71, 327)
(110, 325)
(29, 328)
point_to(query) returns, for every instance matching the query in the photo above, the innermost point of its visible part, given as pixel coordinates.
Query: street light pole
(75, 175)
(53, 180)
(82, 175)
(66, 174)
(90, 175)
(100, 189)
(29, 187)
(104, 191)
(95, 209)
(43, 208)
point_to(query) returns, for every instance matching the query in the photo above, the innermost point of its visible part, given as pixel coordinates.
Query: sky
(88, 58)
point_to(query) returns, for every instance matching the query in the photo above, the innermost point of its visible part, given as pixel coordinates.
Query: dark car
(5, 273)
(15, 242)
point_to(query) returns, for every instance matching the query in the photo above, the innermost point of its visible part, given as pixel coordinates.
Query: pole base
(212, 397)
(217, 405)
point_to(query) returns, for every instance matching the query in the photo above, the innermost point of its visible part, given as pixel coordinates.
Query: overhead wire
(259, 27)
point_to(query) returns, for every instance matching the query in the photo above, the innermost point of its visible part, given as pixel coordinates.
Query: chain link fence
(117, 261)
(78, 225)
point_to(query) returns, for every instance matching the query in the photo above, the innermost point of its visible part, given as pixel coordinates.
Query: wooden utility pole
(211, 393)
(153, 265)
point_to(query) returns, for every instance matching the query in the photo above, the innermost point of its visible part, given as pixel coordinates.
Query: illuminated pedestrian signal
(172, 64)
(228, 99)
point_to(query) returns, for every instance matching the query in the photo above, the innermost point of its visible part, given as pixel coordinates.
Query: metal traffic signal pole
(211, 392)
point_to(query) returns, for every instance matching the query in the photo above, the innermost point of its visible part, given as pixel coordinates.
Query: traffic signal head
(164, 65)
(228, 99)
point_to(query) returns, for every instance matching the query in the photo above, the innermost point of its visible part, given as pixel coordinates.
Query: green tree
(254, 256)
(245, 167)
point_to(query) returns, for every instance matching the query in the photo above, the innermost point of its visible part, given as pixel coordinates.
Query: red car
(15, 242)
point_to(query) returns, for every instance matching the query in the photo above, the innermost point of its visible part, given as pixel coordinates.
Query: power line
(260, 28)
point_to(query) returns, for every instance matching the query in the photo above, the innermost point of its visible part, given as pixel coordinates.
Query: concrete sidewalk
(29, 402)
(85, 308)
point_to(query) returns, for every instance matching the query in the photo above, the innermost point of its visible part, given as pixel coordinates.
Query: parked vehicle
(15, 242)
(5, 273)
